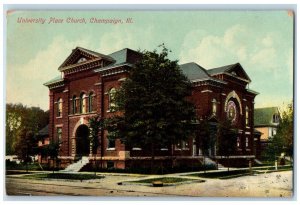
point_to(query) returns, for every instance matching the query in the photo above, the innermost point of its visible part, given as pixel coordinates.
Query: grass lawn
(165, 180)
(280, 168)
(10, 172)
(222, 174)
(239, 173)
(62, 176)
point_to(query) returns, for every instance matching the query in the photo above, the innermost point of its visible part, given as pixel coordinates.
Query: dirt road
(277, 184)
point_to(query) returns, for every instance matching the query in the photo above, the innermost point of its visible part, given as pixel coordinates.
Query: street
(276, 184)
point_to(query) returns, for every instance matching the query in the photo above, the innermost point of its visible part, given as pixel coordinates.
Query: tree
(95, 125)
(52, 150)
(153, 100)
(227, 138)
(25, 146)
(20, 117)
(282, 142)
(205, 136)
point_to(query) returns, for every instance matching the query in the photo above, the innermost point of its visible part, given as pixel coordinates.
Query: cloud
(25, 82)
(266, 60)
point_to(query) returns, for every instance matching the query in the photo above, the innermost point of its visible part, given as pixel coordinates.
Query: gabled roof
(195, 72)
(230, 69)
(264, 116)
(90, 55)
(44, 131)
(125, 56)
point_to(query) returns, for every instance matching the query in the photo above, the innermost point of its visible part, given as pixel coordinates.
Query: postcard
(157, 103)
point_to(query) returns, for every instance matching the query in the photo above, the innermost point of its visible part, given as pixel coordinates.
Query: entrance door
(82, 141)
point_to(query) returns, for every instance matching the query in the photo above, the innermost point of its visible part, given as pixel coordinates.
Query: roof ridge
(225, 66)
(118, 51)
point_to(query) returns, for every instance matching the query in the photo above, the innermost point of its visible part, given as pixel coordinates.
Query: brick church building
(86, 86)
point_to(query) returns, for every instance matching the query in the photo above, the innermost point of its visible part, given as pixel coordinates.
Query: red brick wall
(87, 81)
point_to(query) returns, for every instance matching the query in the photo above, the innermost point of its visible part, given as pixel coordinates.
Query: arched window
(275, 118)
(82, 103)
(247, 116)
(238, 142)
(59, 107)
(111, 99)
(74, 110)
(59, 134)
(91, 102)
(214, 106)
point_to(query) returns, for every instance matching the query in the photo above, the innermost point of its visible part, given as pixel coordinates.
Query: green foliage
(282, 142)
(227, 138)
(154, 102)
(165, 180)
(25, 145)
(51, 150)
(66, 176)
(223, 174)
(18, 117)
(95, 125)
(204, 135)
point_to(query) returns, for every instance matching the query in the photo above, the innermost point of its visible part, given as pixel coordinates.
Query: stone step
(76, 167)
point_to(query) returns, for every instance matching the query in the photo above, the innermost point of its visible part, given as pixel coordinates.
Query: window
(275, 118)
(111, 144)
(214, 106)
(184, 145)
(59, 134)
(74, 110)
(82, 103)
(90, 109)
(81, 60)
(111, 99)
(59, 107)
(247, 116)
(274, 132)
(238, 142)
(247, 141)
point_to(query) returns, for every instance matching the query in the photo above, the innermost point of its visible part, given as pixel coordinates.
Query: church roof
(194, 71)
(229, 69)
(264, 116)
(125, 56)
(221, 69)
(75, 53)
(54, 80)
(96, 54)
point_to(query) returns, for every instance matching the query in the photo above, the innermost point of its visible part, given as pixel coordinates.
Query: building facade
(86, 87)
(266, 121)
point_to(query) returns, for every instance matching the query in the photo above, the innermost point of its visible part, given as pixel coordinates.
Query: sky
(261, 41)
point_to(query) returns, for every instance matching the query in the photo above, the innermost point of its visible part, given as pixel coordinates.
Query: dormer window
(275, 118)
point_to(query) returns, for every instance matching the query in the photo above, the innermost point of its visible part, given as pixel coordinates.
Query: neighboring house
(86, 87)
(266, 121)
(43, 140)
